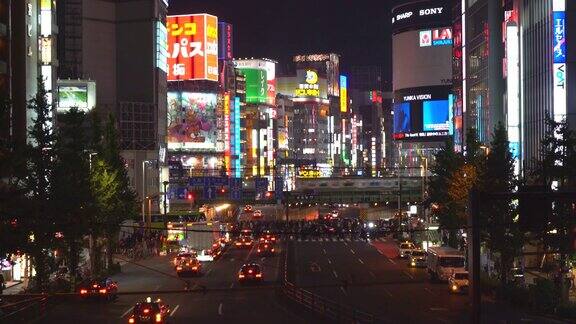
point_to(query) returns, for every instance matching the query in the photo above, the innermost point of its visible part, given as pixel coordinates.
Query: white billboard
(80, 94)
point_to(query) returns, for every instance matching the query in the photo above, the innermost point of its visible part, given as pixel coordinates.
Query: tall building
(422, 79)
(512, 65)
(366, 77)
(115, 52)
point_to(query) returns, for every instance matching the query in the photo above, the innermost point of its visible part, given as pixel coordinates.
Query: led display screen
(73, 96)
(402, 117)
(435, 114)
(192, 121)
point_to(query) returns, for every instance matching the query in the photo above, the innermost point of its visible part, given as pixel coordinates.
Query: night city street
(211, 161)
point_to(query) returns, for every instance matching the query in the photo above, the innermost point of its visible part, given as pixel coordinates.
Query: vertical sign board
(237, 135)
(225, 46)
(343, 93)
(559, 52)
(227, 135)
(192, 47)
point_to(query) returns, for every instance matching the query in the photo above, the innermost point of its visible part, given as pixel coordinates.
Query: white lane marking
(352, 251)
(408, 274)
(232, 285)
(391, 261)
(387, 292)
(174, 310)
(372, 274)
(360, 260)
(335, 274)
(126, 312)
(220, 309)
(324, 251)
(343, 290)
(329, 262)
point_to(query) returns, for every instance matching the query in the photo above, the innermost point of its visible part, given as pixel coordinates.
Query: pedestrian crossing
(334, 239)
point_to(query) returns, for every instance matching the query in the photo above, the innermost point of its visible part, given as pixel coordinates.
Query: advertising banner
(192, 121)
(270, 67)
(256, 85)
(73, 96)
(225, 45)
(192, 47)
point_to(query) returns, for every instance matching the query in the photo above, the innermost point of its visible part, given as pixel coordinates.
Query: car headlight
(413, 263)
(454, 288)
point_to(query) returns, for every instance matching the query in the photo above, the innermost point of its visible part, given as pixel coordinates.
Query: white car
(405, 249)
(458, 282)
(417, 258)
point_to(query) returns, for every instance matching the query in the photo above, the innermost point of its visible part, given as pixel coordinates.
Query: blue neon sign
(559, 36)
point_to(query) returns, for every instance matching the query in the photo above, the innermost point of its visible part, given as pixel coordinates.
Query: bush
(517, 295)
(543, 295)
(567, 310)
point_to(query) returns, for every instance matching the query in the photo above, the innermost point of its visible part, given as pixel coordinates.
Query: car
(458, 281)
(265, 248)
(150, 312)
(405, 249)
(189, 266)
(417, 258)
(268, 237)
(99, 288)
(250, 272)
(248, 208)
(244, 242)
(183, 256)
(257, 214)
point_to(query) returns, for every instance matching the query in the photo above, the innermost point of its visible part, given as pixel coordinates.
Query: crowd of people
(140, 243)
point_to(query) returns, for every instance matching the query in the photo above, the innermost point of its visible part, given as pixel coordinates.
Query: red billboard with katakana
(192, 47)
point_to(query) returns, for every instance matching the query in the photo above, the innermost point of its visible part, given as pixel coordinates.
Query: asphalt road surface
(231, 303)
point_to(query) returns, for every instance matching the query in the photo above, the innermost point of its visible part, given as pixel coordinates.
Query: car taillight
(249, 271)
(266, 246)
(178, 268)
(194, 268)
(258, 275)
(83, 291)
(272, 250)
(238, 243)
(131, 320)
(240, 276)
(94, 286)
(145, 311)
(158, 318)
(258, 250)
(102, 291)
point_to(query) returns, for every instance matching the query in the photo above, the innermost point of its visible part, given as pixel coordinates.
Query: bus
(173, 224)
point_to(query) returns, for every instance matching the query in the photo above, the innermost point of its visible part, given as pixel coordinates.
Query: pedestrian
(2, 284)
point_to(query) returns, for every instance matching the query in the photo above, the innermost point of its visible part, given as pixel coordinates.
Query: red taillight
(194, 268)
(238, 243)
(102, 291)
(178, 268)
(258, 275)
(158, 318)
(272, 250)
(240, 276)
(131, 320)
(83, 291)
(249, 271)
(146, 311)
(94, 286)
(258, 250)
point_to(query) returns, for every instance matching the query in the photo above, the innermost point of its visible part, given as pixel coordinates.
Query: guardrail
(23, 310)
(319, 305)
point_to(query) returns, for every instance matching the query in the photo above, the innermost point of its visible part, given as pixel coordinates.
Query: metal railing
(321, 306)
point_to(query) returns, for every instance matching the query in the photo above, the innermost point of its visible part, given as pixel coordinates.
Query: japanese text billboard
(264, 64)
(192, 121)
(256, 85)
(192, 47)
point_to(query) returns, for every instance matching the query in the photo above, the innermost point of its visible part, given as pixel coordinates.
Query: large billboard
(79, 94)
(421, 13)
(192, 121)
(192, 47)
(420, 59)
(422, 113)
(270, 67)
(559, 72)
(226, 41)
(256, 85)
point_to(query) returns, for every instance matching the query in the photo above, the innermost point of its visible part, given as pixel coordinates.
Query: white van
(443, 261)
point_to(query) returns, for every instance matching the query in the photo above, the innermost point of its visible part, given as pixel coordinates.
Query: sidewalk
(15, 287)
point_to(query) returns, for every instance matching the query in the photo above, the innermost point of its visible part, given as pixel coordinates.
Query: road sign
(236, 183)
(279, 187)
(209, 192)
(236, 193)
(261, 185)
(196, 181)
(219, 181)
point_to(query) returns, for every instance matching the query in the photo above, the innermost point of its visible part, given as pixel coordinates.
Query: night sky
(358, 30)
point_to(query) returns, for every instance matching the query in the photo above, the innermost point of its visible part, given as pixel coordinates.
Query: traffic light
(189, 196)
(222, 190)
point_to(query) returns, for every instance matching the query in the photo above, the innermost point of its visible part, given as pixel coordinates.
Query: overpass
(347, 190)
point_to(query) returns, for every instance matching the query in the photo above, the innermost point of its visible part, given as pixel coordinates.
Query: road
(230, 304)
(380, 283)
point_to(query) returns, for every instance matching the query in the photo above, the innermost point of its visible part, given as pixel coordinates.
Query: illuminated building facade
(422, 78)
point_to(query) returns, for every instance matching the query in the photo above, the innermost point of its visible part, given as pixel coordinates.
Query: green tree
(446, 161)
(557, 169)
(72, 198)
(39, 156)
(500, 229)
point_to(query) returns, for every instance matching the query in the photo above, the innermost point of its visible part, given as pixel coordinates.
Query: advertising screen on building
(161, 49)
(422, 113)
(192, 47)
(419, 58)
(192, 121)
(418, 14)
(343, 93)
(270, 67)
(256, 85)
(79, 94)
